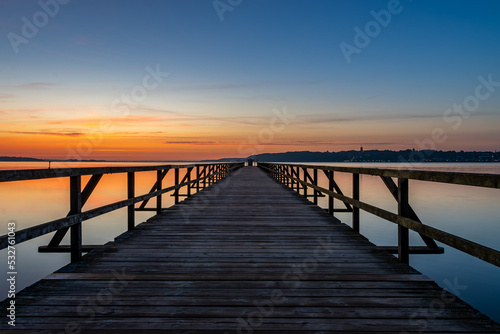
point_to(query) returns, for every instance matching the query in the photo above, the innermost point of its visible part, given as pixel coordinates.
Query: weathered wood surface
(244, 256)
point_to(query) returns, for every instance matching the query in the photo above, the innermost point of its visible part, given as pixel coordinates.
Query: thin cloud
(185, 117)
(325, 118)
(6, 96)
(65, 134)
(184, 142)
(36, 85)
(228, 86)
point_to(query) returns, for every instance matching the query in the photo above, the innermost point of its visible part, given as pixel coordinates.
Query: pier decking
(246, 255)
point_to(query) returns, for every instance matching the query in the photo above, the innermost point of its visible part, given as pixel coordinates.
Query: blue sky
(225, 77)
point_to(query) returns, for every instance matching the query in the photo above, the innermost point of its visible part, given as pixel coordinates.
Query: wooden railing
(300, 177)
(197, 176)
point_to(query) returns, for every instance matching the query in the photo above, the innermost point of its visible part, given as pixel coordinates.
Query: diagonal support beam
(308, 176)
(87, 191)
(154, 187)
(186, 178)
(338, 191)
(393, 188)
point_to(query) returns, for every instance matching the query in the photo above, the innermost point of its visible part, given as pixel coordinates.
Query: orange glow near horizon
(89, 134)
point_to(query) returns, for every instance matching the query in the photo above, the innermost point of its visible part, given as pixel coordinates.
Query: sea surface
(469, 212)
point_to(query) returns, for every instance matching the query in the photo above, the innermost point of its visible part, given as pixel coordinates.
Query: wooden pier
(244, 255)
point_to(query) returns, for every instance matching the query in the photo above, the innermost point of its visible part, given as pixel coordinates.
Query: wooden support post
(188, 172)
(176, 191)
(393, 188)
(289, 172)
(76, 208)
(130, 194)
(304, 171)
(205, 176)
(403, 232)
(331, 207)
(296, 173)
(355, 195)
(198, 175)
(155, 187)
(315, 182)
(160, 187)
(288, 180)
(211, 172)
(86, 192)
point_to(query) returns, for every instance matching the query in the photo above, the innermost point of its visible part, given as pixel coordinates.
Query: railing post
(297, 175)
(305, 180)
(76, 208)
(188, 180)
(315, 182)
(355, 195)
(130, 194)
(403, 232)
(330, 188)
(176, 191)
(209, 173)
(160, 187)
(205, 176)
(198, 176)
(288, 180)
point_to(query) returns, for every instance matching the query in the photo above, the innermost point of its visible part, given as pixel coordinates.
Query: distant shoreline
(27, 159)
(364, 156)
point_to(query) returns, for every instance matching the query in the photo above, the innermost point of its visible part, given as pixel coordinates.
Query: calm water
(469, 212)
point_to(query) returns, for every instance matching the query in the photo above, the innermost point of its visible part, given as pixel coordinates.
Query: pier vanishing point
(245, 249)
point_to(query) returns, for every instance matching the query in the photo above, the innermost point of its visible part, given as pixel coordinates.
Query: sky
(205, 79)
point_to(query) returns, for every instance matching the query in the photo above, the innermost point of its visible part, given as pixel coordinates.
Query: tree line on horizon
(344, 156)
(380, 156)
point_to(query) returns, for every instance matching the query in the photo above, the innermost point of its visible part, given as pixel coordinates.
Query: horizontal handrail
(467, 179)
(484, 253)
(74, 219)
(36, 174)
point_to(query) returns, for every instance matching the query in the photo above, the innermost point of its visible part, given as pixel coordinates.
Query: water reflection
(469, 212)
